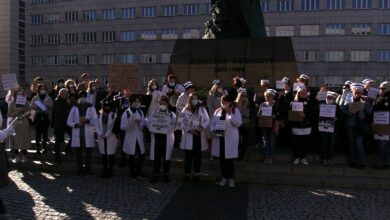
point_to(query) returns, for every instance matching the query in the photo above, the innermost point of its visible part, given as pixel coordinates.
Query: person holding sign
(172, 90)
(267, 116)
(133, 123)
(161, 145)
(224, 126)
(82, 119)
(346, 94)
(381, 118)
(42, 104)
(301, 127)
(356, 112)
(194, 139)
(214, 97)
(107, 140)
(18, 107)
(330, 112)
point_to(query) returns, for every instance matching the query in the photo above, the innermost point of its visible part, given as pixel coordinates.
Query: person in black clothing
(60, 85)
(238, 82)
(60, 114)
(283, 106)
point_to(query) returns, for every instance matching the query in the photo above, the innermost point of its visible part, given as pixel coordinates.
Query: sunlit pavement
(54, 196)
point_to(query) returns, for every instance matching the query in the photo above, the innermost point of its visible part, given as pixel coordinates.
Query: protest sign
(160, 122)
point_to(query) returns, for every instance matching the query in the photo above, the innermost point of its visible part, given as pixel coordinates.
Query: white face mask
(82, 100)
(163, 107)
(154, 87)
(42, 92)
(330, 101)
(172, 84)
(220, 90)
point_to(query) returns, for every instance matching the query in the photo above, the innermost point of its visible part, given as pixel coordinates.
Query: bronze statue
(235, 19)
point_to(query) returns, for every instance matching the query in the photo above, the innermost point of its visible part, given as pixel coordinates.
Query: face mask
(172, 84)
(61, 85)
(154, 87)
(220, 90)
(163, 107)
(82, 100)
(195, 102)
(330, 101)
(42, 92)
(93, 87)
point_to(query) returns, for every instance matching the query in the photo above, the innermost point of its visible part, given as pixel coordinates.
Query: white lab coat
(181, 102)
(134, 132)
(170, 139)
(112, 141)
(232, 122)
(156, 95)
(74, 118)
(187, 137)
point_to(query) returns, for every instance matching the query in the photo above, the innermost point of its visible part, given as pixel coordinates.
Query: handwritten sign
(297, 106)
(9, 81)
(21, 100)
(356, 106)
(328, 111)
(372, 93)
(296, 85)
(381, 123)
(280, 85)
(265, 122)
(326, 125)
(160, 122)
(321, 96)
(122, 76)
(266, 111)
(184, 121)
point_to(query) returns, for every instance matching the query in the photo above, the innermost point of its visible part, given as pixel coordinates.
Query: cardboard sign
(381, 123)
(328, 111)
(280, 85)
(296, 85)
(9, 81)
(326, 126)
(356, 106)
(295, 116)
(184, 121)
(266, 111)
(122, 76)
(21, 100)
(321, 96)
(265, 122)
(220, 125)
(372, 93)
(160, 122)
(297, 106)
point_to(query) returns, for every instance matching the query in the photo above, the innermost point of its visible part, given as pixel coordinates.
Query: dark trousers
(83, 160)
(245, 140)
(194, 156)
(108, 162)
(301, 143)
(59, 134)
(327, 145)
(2, 207)
(160, 149)
(226, 165)
(136, 166)
(177, 134)
(41, 134)
(122, 154)
(382, 153)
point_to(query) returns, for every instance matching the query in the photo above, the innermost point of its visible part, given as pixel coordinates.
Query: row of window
(312, 5)
(111, 36)
(91, 59)
(123, 13)
(339, 56)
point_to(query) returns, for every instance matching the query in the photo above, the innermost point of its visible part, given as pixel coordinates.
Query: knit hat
(241, 90)
(357, 86)
(286, 80)
(367, 80)
(188, 85)
(348, 83)
(270, 92)
(242, 80)
(304, 77)
(216, 81)
(332, 94)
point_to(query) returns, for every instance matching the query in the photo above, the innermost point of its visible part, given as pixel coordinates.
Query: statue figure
(235, 19)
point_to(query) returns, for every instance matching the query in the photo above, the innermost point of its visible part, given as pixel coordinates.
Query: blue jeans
(327, 145)
(382, 153)
(269, 141)
(356, 149)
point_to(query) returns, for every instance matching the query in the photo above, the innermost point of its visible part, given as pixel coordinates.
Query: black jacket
(61, 109)
(382, 103)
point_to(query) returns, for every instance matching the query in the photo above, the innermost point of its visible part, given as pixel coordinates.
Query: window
(36, 39)
(89, 37)
(128, 13)
(191, 9)
(71, 60)
(108, 58)
(191, 33)
(285, 5)
(384, 29)
(71, 16)
(90, 15)
(309, 5)
(334, 55)
(361, 4)
(127, 58)
(108, 36)
(384, 56)
(71, 38)
(148, 11)
(89, 59)
(165, 58)
(335, 4)
(52, 60)
(53, 38)
(384, 3)
(128, 36)
(108, 14)
(265, 5)
(169, 34)
(283, 31)
(335, 29)
(310, 30)
(170, 10)
(36, 60)
(309, 56)
(361, 29)
(360, 55)
(148, 58)
(52, 18)
(267, 29)
(37, 1)
(36, 19)
(148, 35)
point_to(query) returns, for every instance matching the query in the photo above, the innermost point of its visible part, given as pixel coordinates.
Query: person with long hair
(153, 90)
(70, 84)
(92, 93)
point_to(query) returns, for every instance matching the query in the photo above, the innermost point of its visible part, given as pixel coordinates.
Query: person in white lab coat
(224, 126)
(154, 91)
(107, 140)
(81, 119)
(133, 123)
(161, 145)
(194, 139)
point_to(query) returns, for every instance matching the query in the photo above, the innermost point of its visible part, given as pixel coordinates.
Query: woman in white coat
(133, 123)
(224, 126)
(194, 140)
(81, 119)
(107, 140)
(161, 145)
(156, 94)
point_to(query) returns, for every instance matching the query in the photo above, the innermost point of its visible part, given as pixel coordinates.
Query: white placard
(328, 111)
(40, 105)
(266, 111)
(297, 106)
(372, 93)
(196, 120)
(160, 122)
(9, 81)
(321, 96)
(21, 100)
(280, 85)
(324, 126)
(220, 125)
(184, 121)
(381, 118)
(296, 85)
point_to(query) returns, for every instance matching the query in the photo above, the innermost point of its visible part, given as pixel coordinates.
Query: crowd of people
(225, 122)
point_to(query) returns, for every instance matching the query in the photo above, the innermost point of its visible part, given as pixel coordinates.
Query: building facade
(334, 40)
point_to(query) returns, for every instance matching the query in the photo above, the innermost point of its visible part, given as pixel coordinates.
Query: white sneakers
(296, 161)
(232, 183)
(303, 161)
(229, 182)
(223, 182)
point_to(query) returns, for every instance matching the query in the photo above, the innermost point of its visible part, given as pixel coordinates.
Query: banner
(160, 122)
